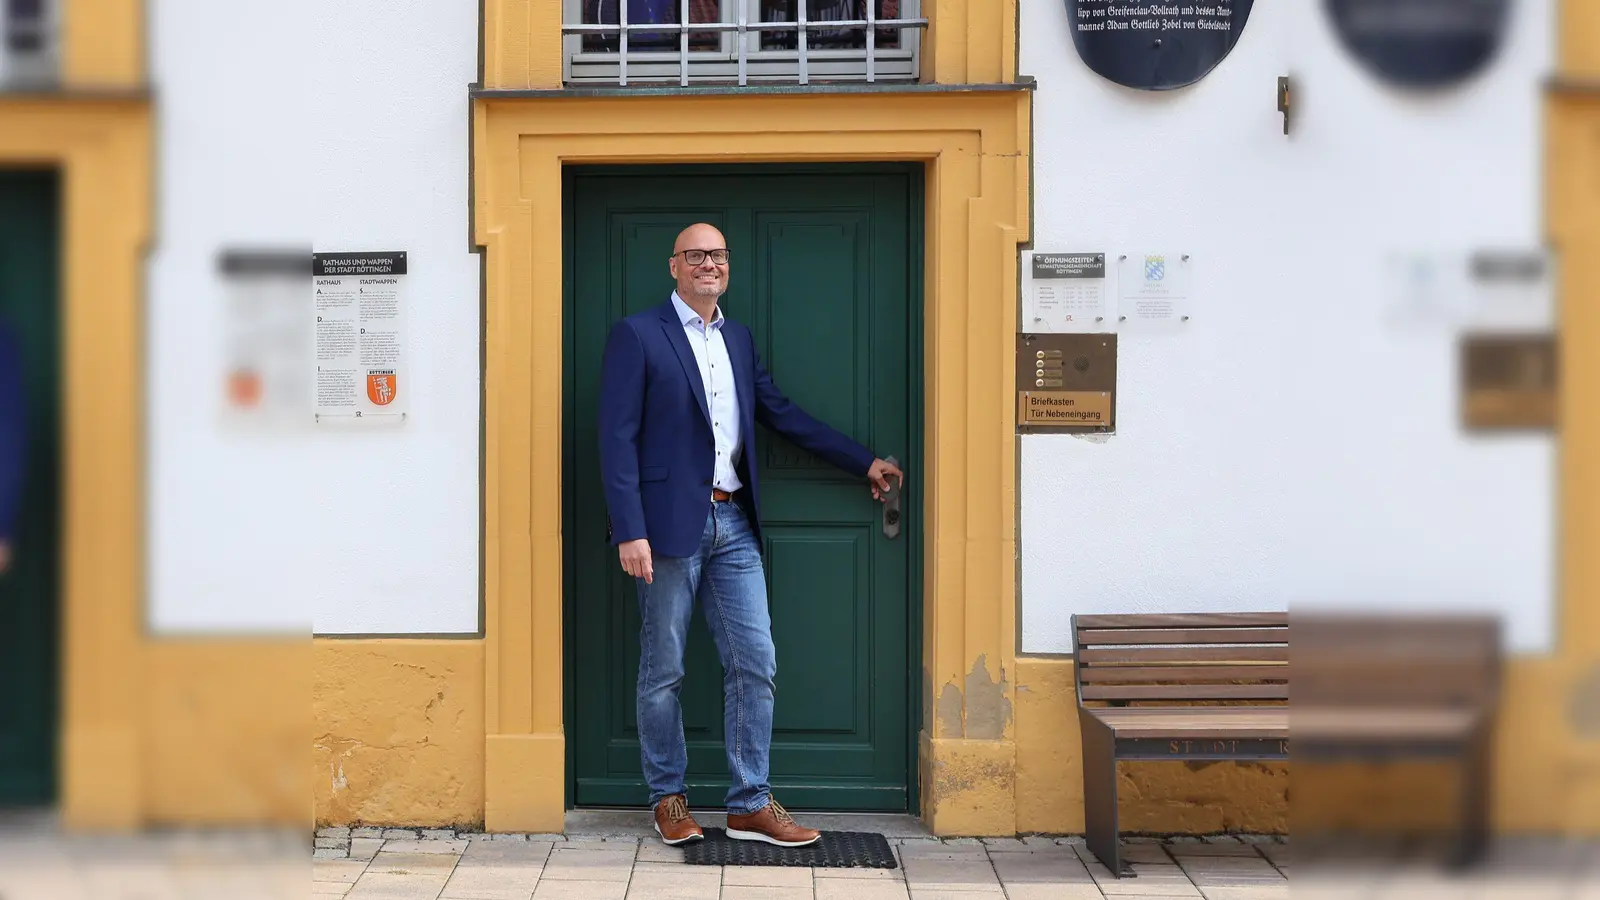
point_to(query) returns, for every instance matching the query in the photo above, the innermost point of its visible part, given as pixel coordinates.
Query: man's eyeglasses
(696, 257)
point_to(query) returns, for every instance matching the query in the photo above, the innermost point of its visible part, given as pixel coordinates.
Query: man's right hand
(635, 557)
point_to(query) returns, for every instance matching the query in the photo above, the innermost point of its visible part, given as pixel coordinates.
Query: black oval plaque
(1420, 43)
(1155, 46)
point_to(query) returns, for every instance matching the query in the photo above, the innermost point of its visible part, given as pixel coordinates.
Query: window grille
(623, 42)
(27, 43)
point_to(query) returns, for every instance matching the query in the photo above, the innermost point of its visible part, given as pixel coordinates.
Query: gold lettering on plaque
(1063, 407)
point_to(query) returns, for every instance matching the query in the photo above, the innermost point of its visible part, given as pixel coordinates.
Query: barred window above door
(624, 42)
(27, 43)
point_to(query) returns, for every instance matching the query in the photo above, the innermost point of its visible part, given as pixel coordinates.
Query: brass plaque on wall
(1066, 383)
(1508, 382)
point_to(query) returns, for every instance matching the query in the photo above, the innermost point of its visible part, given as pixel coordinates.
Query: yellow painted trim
(1579, 36)
(102, 149)
(103, 44)
(976, 149)
(966, 42)
(1573, 184)
(1569, 761)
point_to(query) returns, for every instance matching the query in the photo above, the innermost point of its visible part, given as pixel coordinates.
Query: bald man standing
(683, 389)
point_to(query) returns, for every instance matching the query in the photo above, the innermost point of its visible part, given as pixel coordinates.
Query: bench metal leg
(1100, 796)
(1476, 764)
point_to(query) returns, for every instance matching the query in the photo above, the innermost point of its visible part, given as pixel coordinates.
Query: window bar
(622, 43)
(872, 39)
(743, 47)
(683, 43)
(800, 45)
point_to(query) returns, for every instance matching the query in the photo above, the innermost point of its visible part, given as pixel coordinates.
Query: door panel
(821, 272)
(28, 590)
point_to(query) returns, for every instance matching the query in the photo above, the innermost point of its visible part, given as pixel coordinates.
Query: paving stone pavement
(410, 864)
(620, 867)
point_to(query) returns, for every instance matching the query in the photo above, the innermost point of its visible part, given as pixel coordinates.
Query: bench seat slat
(1197, 721)
(1371, 723)
(1321, 726)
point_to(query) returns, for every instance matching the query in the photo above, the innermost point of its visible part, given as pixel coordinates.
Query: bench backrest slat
(1182, 656)
(1259, 691)
(1412, 661)
(1185, 620)
(1145, 655)
(1133, 636)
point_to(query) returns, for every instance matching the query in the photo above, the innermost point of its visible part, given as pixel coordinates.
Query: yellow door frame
(970, 123)
(101, 147)
(975, 146)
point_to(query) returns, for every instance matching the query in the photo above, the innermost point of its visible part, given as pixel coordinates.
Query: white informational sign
(1447, 291)
(266, 348)
(1064, 292)
(1426, 290)
(1512, 290)
(1153, 290)
(360, 332)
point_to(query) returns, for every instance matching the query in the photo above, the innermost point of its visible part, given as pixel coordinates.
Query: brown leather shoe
(773, 824)
(673, 821)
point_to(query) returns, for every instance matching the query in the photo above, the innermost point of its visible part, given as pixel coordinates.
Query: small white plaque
(1154, 291)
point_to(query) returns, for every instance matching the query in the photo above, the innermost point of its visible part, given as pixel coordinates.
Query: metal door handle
(891, 505)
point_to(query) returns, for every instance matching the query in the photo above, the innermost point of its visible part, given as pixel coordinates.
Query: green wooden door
(824, 271)
(28, 280)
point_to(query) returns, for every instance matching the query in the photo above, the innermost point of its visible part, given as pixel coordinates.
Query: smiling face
(708, 280)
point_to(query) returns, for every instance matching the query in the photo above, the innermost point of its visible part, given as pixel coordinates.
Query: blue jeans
(726, 577)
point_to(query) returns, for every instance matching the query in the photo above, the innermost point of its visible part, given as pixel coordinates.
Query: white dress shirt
(716, 374)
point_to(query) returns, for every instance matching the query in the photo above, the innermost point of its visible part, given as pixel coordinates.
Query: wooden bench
(1216, 687)
(1385, 687)
(1174, 662)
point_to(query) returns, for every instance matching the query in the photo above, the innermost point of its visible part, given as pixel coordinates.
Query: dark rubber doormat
(835, 850)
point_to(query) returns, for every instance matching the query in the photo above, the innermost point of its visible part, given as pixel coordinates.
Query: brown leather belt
(720, 496)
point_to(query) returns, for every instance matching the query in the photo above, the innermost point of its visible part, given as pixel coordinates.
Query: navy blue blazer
(656, 449)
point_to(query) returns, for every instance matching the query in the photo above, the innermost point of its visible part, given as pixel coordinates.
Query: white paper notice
(1064, 292)
(1154, 289)
(360, 319)
(266, 350)
(1512, 290)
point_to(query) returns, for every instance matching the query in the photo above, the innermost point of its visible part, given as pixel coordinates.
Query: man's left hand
(879, 475)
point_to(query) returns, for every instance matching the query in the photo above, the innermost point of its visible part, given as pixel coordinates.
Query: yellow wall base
(968, 787)
(526, 783)
(225, 725)
(398, 728)
(401, 741)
